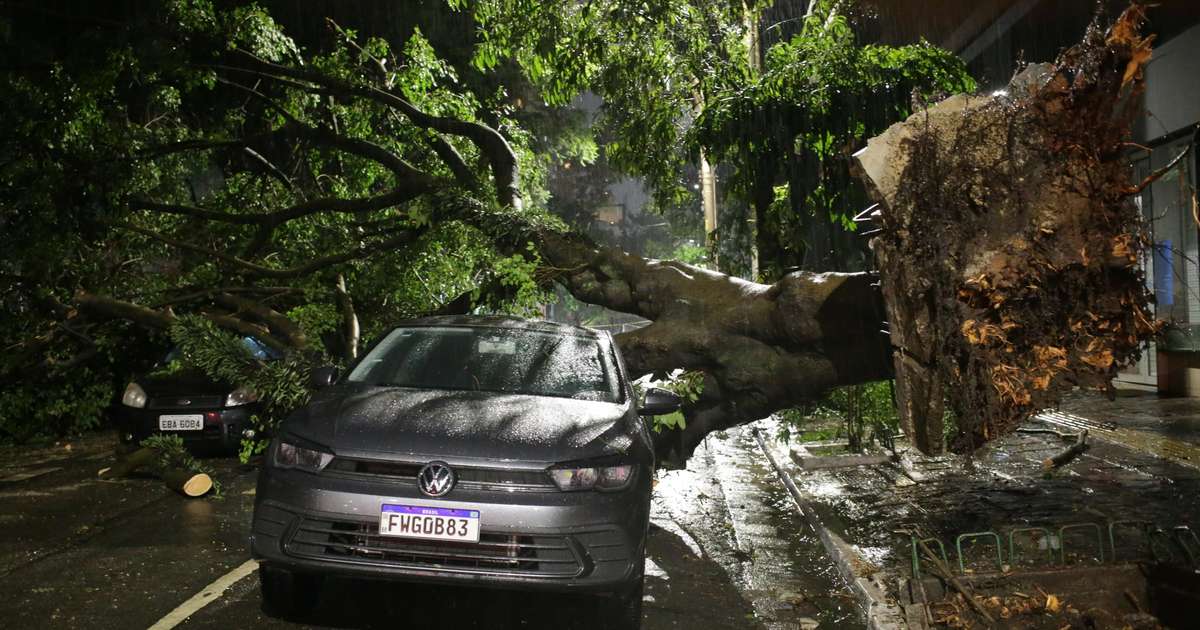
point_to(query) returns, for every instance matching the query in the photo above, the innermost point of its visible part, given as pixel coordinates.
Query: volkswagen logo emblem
(435, 479)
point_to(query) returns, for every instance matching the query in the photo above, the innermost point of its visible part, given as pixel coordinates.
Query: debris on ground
(165, 457)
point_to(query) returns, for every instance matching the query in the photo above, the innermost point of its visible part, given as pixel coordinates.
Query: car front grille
(186, 402)
(469, 478)
(544, 556)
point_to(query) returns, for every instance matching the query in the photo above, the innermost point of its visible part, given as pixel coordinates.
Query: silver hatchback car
(483, 451)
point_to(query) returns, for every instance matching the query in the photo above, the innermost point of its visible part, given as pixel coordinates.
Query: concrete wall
(1172, 96)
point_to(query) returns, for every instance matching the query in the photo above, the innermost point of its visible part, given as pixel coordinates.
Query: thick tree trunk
(764, 347)
(1008, 251)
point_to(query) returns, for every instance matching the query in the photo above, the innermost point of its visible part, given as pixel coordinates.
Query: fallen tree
(1008, 247)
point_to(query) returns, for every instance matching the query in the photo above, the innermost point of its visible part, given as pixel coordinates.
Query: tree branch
(290, 272)
(358, 205)
(454, 161)
(105, 307)
(209, 293)
(110, 308)
(249, 329)
(491, 143)
(278, 323)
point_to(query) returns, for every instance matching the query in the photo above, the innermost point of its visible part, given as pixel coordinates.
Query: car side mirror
(659, 402)
(323, 376)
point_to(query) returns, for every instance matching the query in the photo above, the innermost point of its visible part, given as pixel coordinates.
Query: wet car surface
(471, 451)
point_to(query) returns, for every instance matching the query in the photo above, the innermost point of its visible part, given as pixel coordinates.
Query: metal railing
(1175, 545)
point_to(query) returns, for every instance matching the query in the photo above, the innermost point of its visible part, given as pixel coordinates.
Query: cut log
(186, 482)
(130, 464)
(1009, 250)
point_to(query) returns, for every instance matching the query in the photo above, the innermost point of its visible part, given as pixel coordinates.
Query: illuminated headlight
(134, 396)
(291, 456)
(592, 477)
(240, 396)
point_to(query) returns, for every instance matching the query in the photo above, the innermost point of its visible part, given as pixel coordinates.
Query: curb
(881, 612)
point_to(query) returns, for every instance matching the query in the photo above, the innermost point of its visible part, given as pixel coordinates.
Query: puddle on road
(730, 500)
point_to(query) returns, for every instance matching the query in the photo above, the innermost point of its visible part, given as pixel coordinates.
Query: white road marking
(655, 571)
(206, 596)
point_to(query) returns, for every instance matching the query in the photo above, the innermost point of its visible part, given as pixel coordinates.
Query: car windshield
(256, 348)
(492, 359)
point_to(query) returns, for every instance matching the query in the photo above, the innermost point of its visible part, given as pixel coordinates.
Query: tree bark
(765, 347)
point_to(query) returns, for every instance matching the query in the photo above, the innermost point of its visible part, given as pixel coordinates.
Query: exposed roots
(1010, 246)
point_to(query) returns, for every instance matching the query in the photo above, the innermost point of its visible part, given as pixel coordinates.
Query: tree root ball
(1010, 244)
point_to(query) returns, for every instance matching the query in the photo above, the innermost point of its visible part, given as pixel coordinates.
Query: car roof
(500, 321)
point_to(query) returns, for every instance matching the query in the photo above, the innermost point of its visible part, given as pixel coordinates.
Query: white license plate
(415, 521)
(181, 422)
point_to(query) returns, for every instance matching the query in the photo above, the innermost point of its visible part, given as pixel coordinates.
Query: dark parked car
(208, 415)
(481, 451)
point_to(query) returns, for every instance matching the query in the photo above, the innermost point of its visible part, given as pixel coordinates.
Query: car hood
(461, 426)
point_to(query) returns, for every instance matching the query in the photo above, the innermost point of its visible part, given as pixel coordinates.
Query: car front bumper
(559, 541)
(223, 427)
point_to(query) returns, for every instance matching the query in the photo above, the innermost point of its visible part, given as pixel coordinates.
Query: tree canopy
(187, 161)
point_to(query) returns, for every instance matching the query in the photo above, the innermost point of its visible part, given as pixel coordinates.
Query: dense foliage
(679, 77)
(188, 171)
(790, 133)
(128, 131)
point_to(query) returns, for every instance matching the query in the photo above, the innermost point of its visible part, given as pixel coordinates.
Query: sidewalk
(1090, 516)
(1142, 421)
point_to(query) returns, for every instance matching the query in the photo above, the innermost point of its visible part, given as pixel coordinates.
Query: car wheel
(623, 610)
(285, 593)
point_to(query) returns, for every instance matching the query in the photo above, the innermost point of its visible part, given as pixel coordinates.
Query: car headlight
(134, 396)
(240, 396)
(592, 477)
(289, 455)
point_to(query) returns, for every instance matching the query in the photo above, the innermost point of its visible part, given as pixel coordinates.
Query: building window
(1174, 273)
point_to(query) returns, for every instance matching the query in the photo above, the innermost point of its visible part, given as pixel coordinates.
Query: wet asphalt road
(726, 551)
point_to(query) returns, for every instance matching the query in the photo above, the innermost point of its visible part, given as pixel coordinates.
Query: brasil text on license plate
(414, 521)
(181, 422)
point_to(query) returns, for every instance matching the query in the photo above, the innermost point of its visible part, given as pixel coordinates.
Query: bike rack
(1063, 544)
(1165, 545)
(916, 557)
(1144, 526)
(1012, 550)
(1186, 538)
(972, 535)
